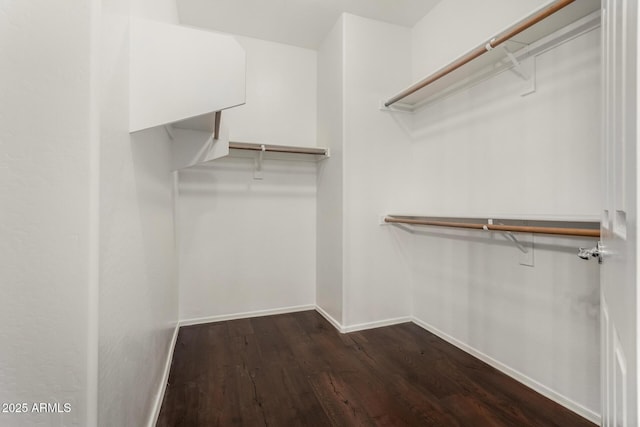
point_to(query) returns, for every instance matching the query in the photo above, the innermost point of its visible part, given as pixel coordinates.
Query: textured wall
(138, 280)
(45, 142)
(363, 276)
(444, 33)
(376, 152)
(280, 103)
(329, 256)
(488, 151)
(246, 245)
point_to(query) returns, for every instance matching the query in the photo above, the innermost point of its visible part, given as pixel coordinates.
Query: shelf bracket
(529, 76)
(169, 129)
(257, 172)
(526, 247)
(510, 236)
(398, 107)
(517, 66)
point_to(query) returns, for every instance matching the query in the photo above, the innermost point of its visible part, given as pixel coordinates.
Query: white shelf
(495, 60)
(278, 152)
(177, 73)
(556, 218)
(564, 227)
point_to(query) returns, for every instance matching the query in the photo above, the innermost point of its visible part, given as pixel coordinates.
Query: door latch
(595, 252)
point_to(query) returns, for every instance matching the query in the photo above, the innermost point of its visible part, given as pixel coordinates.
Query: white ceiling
(297, 22)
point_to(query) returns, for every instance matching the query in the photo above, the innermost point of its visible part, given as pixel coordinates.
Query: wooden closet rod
(582, 232)
(495, 42)
(277, 148)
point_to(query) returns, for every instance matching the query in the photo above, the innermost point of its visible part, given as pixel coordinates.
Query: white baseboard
(246, 315)
(157, 405)
(361, 326)
(517, 375)
(376, 324)
(329, 318)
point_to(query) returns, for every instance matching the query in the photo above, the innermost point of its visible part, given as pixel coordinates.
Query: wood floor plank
(240, 327)
(470, 411)
(297, 370)
(338, 401)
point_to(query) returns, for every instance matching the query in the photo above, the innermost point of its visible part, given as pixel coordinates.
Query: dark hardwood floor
(297, 370)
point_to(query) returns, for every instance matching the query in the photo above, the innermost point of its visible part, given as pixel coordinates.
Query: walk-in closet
(319, 213)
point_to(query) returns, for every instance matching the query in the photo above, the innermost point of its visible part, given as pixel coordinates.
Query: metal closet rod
(582, 232)
(495, 42)
(277, 148)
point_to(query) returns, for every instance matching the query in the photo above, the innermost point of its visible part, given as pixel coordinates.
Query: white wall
(539, 323)
(280, 80)
(377, 58)
(488, 151)
(138, 280)
(500, 153)
(45, 144)
(248, 245)
(363, 275)
(453, 27)
(162, 11)
(329, 212)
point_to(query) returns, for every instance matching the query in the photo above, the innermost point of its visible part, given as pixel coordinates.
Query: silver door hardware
(595, 252)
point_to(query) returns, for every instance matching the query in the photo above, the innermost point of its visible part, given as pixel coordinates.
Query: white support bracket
(529, 76)
(509, 235)
(525, 247)
(526, 240)
(517, 66)
(257, 172)
(169, 129)
(398, 107)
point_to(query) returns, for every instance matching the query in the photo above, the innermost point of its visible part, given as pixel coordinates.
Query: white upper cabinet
(177, 73)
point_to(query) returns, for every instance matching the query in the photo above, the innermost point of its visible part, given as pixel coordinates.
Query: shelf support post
(216, 125)
(257, 173)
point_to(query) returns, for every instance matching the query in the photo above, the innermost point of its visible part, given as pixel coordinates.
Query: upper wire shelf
(493, 55)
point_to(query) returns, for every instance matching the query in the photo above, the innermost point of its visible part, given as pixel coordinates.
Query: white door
(619, 235)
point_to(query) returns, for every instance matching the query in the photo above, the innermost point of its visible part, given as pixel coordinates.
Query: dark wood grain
(297, 370)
